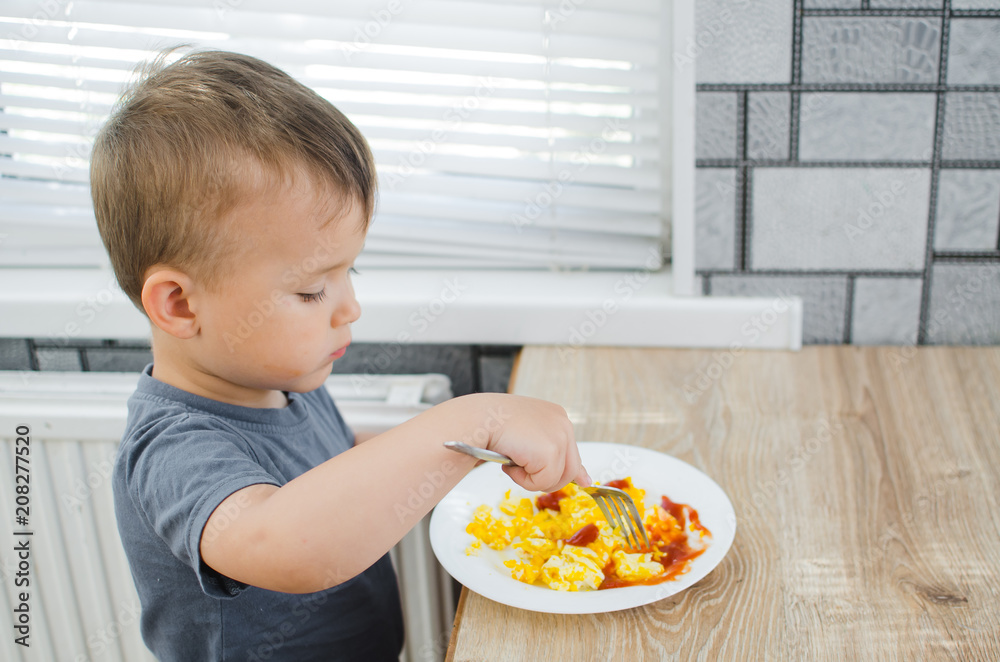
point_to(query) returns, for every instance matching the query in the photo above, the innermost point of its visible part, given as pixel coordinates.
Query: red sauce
(620, 483)
(677, 554)
(675, 509)
(696, 523)
(676, 558)
(675, 562)
(586, 535)
(550, 500)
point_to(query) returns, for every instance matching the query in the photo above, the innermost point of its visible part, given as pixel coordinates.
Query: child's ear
(166, 298)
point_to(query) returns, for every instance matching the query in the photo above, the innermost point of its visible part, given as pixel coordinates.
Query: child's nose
(353, 310)
(348, 312)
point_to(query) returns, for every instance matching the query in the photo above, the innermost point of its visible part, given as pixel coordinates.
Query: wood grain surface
(866, 483)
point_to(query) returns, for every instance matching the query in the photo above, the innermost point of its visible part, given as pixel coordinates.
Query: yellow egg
(538, 537)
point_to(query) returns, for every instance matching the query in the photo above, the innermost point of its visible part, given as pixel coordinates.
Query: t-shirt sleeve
(178, 473)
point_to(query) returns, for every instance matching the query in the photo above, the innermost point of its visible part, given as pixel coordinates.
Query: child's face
(283, 316)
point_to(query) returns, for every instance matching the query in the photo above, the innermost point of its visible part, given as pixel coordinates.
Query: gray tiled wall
(848, 151)
(471, 368)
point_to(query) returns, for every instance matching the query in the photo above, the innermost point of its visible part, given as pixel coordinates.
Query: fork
(617, 505)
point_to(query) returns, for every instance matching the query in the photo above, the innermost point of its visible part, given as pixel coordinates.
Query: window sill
(455, 307)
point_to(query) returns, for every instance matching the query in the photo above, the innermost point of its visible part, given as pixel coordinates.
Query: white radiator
(82, 603)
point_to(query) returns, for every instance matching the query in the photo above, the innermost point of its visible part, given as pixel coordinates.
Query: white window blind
(507, 133)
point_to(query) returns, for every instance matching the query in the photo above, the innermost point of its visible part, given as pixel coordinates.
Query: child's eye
(313, 296)
(353, 271)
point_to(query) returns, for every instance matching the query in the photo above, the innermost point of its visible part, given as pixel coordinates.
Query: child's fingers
(517, 474)
(572, 468)
(542, 481)
(580, 475)
(552, 475)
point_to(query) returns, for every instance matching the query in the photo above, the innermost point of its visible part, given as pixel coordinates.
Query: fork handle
(479, 453)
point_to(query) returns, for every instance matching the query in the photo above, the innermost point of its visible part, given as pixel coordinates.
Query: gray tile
(824, 300)
(968, 213)
(974, 51)
(867, 126)
(715, 125)
(860, 49)
(768, 118)
(747, 42)
(410, 358)
(58, 359)
(905, 4)
(839, 218)
(117, 359)
(832, 4)
(494, 373)
(964, 307)
(886, 311)
(14, 354)
(814, 103)
(65, 341)
(132, 342)
(971, 126)
(975, 4)
(715, 218)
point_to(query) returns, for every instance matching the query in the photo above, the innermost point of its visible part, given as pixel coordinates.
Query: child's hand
(538, 436)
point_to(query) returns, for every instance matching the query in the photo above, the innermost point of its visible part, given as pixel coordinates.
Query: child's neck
(177, 369)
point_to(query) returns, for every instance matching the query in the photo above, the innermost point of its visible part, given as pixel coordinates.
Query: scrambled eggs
(563, 541)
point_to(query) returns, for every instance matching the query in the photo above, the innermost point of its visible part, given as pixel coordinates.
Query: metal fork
(617, 505)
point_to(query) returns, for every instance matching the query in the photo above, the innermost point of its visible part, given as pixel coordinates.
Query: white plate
(654, 472)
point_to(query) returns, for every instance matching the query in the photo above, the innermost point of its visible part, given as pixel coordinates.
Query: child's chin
(309, 382)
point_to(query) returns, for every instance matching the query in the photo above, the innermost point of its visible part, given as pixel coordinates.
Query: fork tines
(620, 511)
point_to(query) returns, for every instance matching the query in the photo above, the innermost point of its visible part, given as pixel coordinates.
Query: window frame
(638, 308)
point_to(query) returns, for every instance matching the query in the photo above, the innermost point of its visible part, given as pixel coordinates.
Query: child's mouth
(339, 353)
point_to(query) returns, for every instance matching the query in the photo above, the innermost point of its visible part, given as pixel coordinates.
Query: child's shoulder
(161, 415)
(151, 411)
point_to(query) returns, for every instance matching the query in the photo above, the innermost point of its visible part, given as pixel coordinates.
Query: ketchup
(586, 535)
(677, 510)
(550, 500)
(676, 554)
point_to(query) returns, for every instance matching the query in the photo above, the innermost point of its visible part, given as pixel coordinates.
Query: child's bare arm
(334, 521)
(362, 437)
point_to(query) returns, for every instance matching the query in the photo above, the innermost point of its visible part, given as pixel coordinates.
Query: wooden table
(866, 483)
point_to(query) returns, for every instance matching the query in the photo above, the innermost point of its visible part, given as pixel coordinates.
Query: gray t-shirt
(180, 457)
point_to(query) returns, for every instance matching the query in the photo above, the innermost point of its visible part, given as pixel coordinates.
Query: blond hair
(191, 139)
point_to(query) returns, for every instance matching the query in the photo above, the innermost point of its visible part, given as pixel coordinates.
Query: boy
(233, 202)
